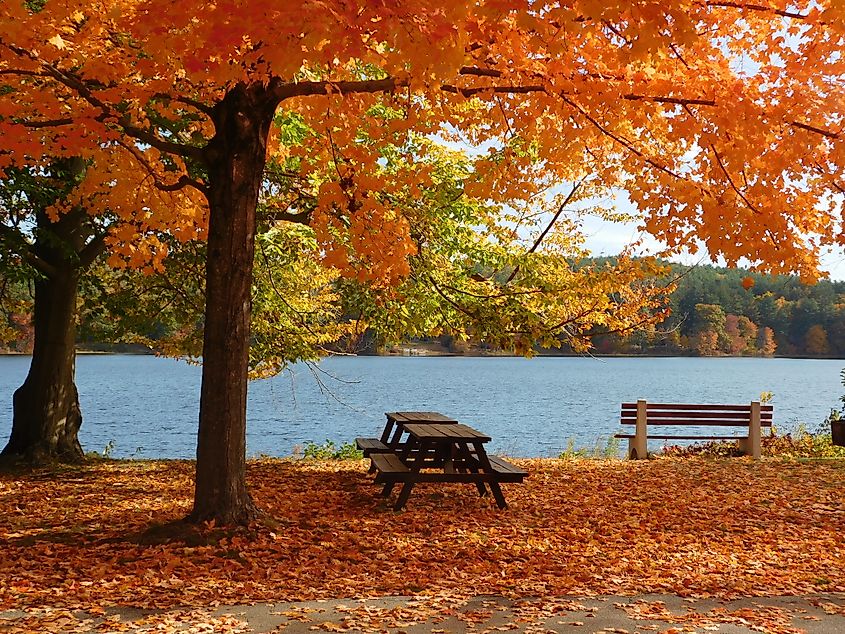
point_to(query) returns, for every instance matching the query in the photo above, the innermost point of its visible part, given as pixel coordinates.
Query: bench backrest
(702, 415)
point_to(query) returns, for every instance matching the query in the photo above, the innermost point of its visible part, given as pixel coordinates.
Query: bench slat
(500, 465)
(693, 414)
(651, 437)
(388, 463)
(700, 422)
(371, 446)
(690, 406)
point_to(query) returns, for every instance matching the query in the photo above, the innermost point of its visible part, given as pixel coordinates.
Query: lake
(147, 407)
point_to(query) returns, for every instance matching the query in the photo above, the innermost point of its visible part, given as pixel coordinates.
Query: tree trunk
(47, 416)
(235, 161)
(46, 407)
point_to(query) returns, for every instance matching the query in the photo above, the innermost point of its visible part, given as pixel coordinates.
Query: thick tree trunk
(235, 159)
(46, 407)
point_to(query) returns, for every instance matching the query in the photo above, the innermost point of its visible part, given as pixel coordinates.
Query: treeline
(714, 311)
(719, 311)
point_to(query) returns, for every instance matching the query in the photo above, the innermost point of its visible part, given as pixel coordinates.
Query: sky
(609, 238)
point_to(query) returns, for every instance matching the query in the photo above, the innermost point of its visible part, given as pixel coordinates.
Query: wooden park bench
(751, 417)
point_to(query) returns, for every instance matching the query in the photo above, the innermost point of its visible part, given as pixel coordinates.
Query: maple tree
(766, 343)
(50, 242)
(52, 252)
(719, 118)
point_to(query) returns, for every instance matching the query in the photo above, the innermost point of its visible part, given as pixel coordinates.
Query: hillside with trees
(720, 311)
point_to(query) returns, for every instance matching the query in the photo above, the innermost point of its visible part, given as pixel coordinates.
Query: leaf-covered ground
(78, 539)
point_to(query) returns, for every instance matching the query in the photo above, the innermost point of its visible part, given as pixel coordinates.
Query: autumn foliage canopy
(721, 119)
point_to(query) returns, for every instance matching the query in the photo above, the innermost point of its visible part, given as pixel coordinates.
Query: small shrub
(571, 453)
(803, 444)
(107, 452)
(710, 448)
(602, 450)
(329, 451)
(798, 444)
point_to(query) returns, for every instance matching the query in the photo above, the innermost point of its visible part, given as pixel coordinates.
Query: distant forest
(713, 313)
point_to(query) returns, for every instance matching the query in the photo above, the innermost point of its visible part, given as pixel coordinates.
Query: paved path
(440, 614)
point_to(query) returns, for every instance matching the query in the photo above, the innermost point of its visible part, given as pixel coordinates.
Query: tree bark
(47, 416)
(235, 161)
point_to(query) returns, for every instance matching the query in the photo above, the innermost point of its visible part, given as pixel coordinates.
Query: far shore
(410, 351)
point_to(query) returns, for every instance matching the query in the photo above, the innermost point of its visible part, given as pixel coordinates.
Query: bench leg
(388, 489)
(754, 432)
(638, 445)
(634, 450)
(751, 444)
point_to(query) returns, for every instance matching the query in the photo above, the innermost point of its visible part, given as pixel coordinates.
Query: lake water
(148, 407)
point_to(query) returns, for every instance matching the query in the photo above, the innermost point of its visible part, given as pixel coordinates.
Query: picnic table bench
(438, 451)
(642, 414)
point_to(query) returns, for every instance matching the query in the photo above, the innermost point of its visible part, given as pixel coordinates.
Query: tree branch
(14, 237)
(489, 72)
(55, 123)
(623, 142)
(85, 92)
(93, 249)
(731, 180)
(548, 228)
(197, 105)
(302, 218)
(755, 7)
(469, 92)
(280, 90)
(183, 181)
(809, 128)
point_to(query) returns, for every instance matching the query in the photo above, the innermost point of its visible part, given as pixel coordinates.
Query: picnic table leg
(484, 461)
(404, 494)
(388, 427)
(388, 489)
(397, 436)
(498, 495)
(415, 465)
(469, 461)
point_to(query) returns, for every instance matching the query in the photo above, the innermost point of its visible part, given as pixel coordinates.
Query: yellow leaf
(58, 42)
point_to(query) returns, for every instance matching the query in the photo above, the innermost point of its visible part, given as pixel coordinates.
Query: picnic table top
(419, 417)
(453, 432)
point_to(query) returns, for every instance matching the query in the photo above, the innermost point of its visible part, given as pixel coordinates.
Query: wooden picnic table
(396, 422)
(391, 436)
(449, 452)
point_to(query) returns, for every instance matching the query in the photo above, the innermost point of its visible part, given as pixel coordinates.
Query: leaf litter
(76, 543)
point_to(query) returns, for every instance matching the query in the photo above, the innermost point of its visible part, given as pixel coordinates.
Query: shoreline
(429, 354)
